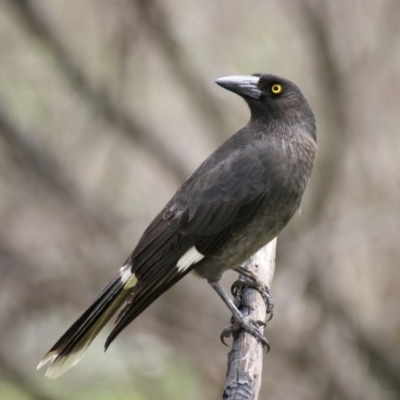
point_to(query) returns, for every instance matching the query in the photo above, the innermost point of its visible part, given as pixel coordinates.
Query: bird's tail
(71, 347)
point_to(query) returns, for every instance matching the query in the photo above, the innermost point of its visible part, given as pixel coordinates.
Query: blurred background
(107, 106)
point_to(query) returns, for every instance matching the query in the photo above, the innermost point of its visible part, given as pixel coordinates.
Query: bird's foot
(255, 283)
(249, 326)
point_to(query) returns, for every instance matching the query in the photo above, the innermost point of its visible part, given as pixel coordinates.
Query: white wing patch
(192, 256)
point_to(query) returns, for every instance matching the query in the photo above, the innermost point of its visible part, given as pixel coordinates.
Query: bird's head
(272, 99)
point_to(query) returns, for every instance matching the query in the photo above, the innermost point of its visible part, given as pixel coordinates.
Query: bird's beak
(245, 86)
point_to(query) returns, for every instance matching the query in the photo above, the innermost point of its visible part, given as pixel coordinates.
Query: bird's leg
(240, 321)
(254, 282)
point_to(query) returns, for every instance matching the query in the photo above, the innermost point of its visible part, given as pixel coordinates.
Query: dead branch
(243, 380)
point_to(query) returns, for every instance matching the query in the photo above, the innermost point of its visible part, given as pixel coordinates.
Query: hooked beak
(245, 86)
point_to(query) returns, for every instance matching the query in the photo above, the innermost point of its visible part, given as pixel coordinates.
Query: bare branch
(243, 380)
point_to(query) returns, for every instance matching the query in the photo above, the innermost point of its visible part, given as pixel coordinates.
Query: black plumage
(238, 200)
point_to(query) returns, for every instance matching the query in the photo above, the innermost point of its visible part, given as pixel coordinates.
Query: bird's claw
(264, 291)
(237, 287)
(226, 333)
(249, 326)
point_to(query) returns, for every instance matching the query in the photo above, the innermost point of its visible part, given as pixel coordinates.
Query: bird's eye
(276, 89)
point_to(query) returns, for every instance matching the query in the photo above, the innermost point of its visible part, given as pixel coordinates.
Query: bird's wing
(216, 201)
(212, 204)
(226, 195)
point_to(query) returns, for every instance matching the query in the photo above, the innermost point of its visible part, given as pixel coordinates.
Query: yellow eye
(276, 89)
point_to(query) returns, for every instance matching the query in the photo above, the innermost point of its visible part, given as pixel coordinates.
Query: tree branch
(243, 380)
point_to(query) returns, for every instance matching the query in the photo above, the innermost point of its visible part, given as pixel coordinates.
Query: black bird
(237, 201)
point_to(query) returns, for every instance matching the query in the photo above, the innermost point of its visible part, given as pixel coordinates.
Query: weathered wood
(243, 380)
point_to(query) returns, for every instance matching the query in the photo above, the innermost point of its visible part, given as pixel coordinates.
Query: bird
(236, 201)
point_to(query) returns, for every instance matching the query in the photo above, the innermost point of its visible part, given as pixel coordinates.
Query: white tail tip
(93, 321)
(61, 364)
